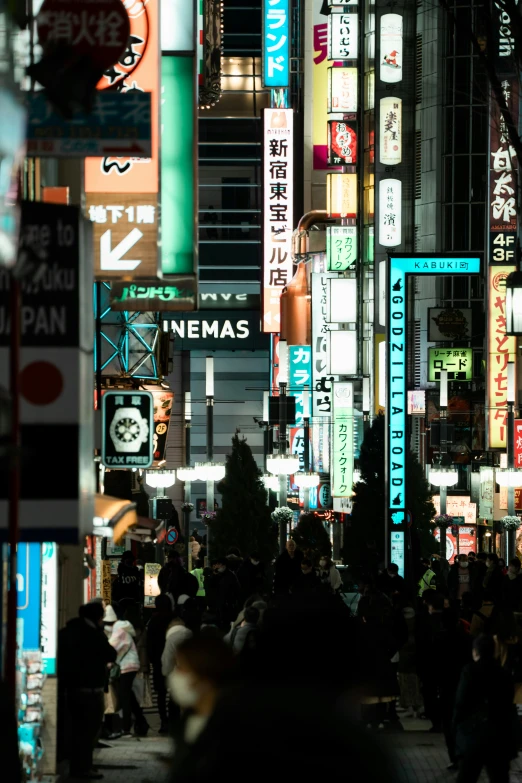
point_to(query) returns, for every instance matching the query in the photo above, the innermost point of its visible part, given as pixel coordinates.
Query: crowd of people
(241, 642)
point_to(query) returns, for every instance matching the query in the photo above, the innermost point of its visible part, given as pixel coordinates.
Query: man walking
(84, 656)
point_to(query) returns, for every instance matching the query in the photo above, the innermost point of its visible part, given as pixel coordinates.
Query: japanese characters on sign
(457, 361)
(341, 248)
(390, 212)
(343, 35)
(322, 381)
(127, 429)
(125, 234)
(518, 443)
(276, 43)
(342, 142)
(458, 506)
(503, 181)
(277, 211)
(342, 90)
(342, 440)
(390, 131)
(341, 195)
(391, 48)
(300, 377)
(487, 490)
(446, 324)
(501, 350)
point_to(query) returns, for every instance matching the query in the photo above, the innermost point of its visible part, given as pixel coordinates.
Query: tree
(311, 536)
(244, 519)
(364, 537)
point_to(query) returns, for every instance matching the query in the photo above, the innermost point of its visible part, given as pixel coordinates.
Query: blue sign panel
(28, 582)
(276, 43)
(399, 267)
(119, 124)
(300, 378)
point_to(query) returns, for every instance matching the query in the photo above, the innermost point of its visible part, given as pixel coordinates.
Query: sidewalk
(135, 760)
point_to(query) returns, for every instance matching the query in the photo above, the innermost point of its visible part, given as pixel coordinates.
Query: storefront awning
(114, 513)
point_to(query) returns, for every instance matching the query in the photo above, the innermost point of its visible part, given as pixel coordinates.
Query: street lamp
(509, 478)
(160, 479)
(282, 465)
(514, 304)
(209, 472)
(306, 479)
(443, 478)
(271, 482)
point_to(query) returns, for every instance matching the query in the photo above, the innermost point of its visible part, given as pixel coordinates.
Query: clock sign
(128, 429)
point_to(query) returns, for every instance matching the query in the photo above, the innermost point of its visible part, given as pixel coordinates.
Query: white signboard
(322, 380)
(177, 25)
(343, 35)
(390, 212)
(342, 440)
(397, 550)
(390, 131)
(277, 211)
(342, 90)
(49, 606)
(391, 48)
(458, 506)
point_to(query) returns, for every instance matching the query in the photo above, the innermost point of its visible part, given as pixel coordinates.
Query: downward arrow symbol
(111, 259)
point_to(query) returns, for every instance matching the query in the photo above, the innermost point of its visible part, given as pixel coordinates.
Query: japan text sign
(322, 380)
(390, 131)
(276, 43)
(300, 378)
(125, 234)
(518, 443)
(390, 70)
(118, 124)
(343, 35)
(342, 90)
(342, 142)
(342, 440)
(399, 269)
(127, 429)
(501, 350)
(341, 248)
(28, 597)
(457, 361)
(277, 211)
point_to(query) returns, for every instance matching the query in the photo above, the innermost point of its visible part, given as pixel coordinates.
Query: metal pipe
(308, 220)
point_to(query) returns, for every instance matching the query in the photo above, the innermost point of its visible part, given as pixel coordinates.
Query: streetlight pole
(283, 478)
(188, 484)
(209, 391)
(306, 438)
(510, 535)
(366, 404)
(443, 451)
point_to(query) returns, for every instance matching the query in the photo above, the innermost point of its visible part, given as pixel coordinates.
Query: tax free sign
(399, 268)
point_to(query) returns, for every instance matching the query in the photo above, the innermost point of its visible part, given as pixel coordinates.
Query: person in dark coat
(234, 559)
(377, 673)
(224, 593)
(251, 576)
(477, 581)
(176, 580)
(460, 578)
(129, 583)
(10, 755)
(484, 719)
(493, 578)
(287, 568)
(156, 632)
(308, 580)
(512, 587)
(391, 583)
(84, 654)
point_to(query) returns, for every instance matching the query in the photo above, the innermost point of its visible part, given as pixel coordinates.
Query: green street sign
(457, 361)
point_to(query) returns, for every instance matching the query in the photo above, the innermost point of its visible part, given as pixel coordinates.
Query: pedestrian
(199, 572)
(122, 639)
(376, 672)
(428, 578)
(195, 548)
(483, 620)
(472, 557)
(287, 568)
(177, 633)
(129, 582)
(483, 719)
(502, 566)
(459, 579)
(111, 723)
(391, 583)
(508, 648)
(307, 581)
(206, 666)
(512, 587)
(234, 559)
(409, 683)
(156, 637)
(174, 579)
(84, 654)
(493, 577)
(329, 576)
(226, 593)
(251, 576)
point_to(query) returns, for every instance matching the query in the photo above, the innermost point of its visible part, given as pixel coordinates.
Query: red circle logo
(41, 383)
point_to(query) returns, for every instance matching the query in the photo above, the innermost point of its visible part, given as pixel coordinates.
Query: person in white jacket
(177, 633)
(329, 575)
(122, 639)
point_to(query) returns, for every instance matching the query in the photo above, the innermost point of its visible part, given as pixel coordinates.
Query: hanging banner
(343, 35)
(317, 72)
(342, 440)
(341, 248)
(276, 43)
(503, 180)
(342, 142)
(501, 350)
(390, 131)
(518, 443)
(341, 195)
(390, 213)
(390, 70)
(277, 211)
(487, 490)
(300, 378)
(342, 90)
